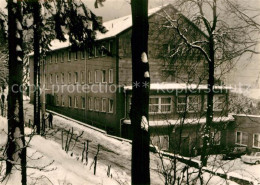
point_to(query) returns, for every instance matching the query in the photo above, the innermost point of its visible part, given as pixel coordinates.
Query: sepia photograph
(130, 92)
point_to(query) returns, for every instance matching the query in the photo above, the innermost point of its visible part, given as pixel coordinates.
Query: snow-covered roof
(247, 115)
(190, 121)
(179, 86)
(57, 44)
(114, 27)
(119, 25)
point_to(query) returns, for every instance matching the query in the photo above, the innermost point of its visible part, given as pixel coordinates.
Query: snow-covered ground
(49, 164)
(235, 168)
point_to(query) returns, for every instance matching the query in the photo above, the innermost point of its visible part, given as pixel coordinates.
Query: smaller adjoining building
(177, 116)
(245, 132)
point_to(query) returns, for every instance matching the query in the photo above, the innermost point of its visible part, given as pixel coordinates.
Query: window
(98, 76)
(216, 137)
(62, 56)
(56, 99)
(76, 55)
(45, 79)
(162, 142)
(160, 105)
(96, 103)
(205, 103)
(70, 101)
(104, 104)
(56, 57)
(241, 138)
(256, 140)
(110, 76)
(218, 102)
(90, 52)
(90, 103)
(82, 54)
(69, 77)
(83, 103)
(50, 78)
(62, 78)
(95, 51)
(90, 77)
(190, 103)
(104, 76)
(153, 105)
(238, 138)
(110, 106)
(181, 104)
(76, 77)
(57, 78)
(69, 55)
(82, 77)
(62, 100)
(167, 48)
(76, 102)
(103, 50)
(110, 47)
(50, 58)
(165, 104)
(193, 103)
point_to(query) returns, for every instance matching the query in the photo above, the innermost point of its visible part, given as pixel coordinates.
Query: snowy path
(66, 169)
(113, 152)
(48, 164)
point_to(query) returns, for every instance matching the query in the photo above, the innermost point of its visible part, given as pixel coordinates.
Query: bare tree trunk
(140, 98)
(16, 150)
(209, 114)
(36, 81)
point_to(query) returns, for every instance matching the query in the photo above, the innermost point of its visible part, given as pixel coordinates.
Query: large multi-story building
(95, 88)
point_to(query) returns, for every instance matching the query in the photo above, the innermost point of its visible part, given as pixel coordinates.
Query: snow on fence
(197, 164)
(73, 137)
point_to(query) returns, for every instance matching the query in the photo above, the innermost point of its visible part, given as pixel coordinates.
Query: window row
(162, 141)
(96, 51)
(242, 139)
(101, 104)
(94, 104)
(193, 103)
(100, 76)
(184, 104)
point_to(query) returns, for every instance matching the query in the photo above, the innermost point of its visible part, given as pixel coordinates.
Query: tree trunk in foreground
(140, 98)
(209, 114)
(16, 150)
(36, 80)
